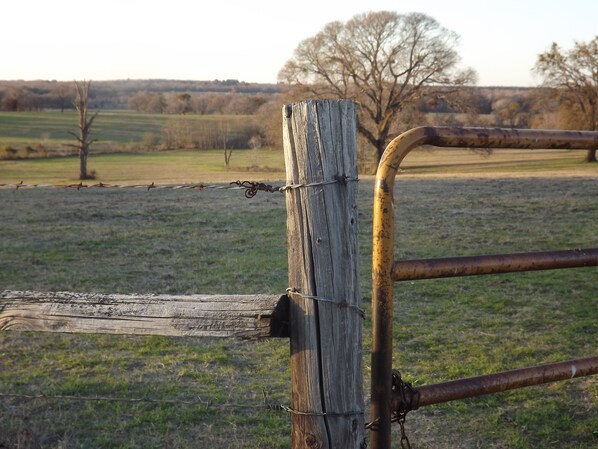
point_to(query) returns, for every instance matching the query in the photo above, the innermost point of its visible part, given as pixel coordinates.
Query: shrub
(8, 152)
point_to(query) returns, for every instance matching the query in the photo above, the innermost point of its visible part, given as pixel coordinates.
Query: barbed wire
(197, 401)
(265, 405)
(251, 188)
(105, 398)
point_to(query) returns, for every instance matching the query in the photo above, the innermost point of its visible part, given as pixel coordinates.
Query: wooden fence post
(325, 310)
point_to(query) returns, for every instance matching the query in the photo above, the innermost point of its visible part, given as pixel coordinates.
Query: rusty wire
(251, 188)
(298, 412)
(341, 304)
(267, 404)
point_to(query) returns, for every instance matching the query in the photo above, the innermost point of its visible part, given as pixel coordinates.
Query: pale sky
(250, 40)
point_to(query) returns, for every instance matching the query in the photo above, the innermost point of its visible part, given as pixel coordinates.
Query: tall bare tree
(83, 137)
(573, 78)
(384, 61)
(224, 133)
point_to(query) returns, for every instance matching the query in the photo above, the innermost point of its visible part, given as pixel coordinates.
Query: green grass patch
(184, 166)
(117, 125)
(116, 130)
(219, 242)
(162, 168)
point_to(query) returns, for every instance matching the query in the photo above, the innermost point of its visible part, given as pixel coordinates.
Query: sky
(251, 40)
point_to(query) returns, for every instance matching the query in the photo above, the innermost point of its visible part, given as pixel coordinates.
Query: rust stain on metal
(504, 381)
(411, 270)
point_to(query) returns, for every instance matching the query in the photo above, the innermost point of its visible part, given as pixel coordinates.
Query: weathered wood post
(325, 311)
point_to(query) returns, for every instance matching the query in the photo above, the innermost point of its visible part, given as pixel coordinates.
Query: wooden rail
(244, 316)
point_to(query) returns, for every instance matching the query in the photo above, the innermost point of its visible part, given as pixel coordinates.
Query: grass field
(124, 131)
(115, 130)
(50, 128)
(161, 168)
(265, 164)
(219, 242)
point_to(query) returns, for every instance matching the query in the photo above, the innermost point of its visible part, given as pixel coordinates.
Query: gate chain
(404, 439)
(407, 399)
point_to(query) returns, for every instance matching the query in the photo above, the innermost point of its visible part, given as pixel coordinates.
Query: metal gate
(391, 397)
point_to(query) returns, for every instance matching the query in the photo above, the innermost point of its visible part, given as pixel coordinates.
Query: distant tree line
(485, 106)
(227, 98)
(508, 106)
(497, 106)
(223, 133)
(39, 95)
(197, 103)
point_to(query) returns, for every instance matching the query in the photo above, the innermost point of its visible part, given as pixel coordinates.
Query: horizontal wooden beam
(243, 316)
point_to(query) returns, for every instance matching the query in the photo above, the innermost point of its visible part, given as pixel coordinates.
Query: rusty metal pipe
(411, 270)
(383, 234)
(504, 381)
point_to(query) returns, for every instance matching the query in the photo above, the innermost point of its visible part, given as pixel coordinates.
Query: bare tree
(269, 119)
(62, 94)
(83, 137)
(178, 133)
(573, 78)
(511, 112)
(224, 131)
(12, 100)
(384, 61)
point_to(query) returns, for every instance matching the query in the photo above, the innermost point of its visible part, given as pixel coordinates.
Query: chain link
(405, 444)
(406, 399)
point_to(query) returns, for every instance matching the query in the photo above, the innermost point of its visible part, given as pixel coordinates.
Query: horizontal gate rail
(412, 270)
(385, 271)
(495, 383)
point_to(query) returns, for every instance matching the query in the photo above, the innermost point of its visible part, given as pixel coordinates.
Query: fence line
(242, 316)
(251, 188)
(266, 404)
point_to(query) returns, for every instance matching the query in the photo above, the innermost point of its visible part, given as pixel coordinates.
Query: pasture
(46, 133)
(188, 166)
(161, 167)
(185, 393)
(130, 147)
